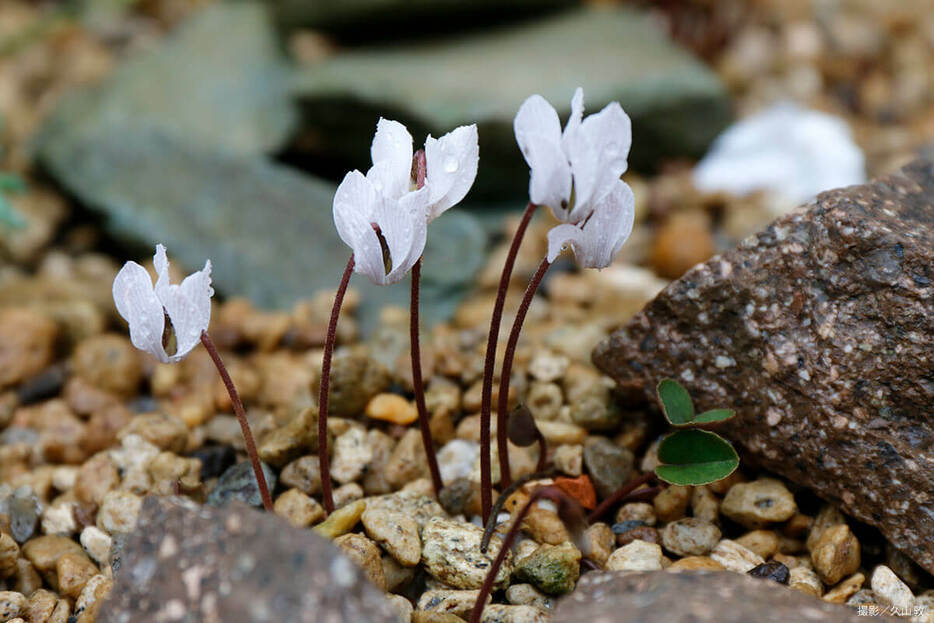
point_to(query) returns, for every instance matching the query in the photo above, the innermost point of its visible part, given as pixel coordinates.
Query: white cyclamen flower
(600, 236)
(382, 217)
(573, 171)
(145, 308)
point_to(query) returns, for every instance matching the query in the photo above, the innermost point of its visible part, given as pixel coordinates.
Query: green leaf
(676, 403)
(695, 457)
(714, 415)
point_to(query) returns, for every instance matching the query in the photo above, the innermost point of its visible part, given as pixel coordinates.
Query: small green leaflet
(676, 403)
(695, 457)
(714, 415)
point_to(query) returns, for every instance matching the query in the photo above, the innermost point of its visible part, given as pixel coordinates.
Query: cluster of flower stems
(568, 507)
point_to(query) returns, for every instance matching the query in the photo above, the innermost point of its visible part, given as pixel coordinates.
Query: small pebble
(805, 580)
(527, 595)
(601, 542)
(118, 512)
(72, 571)
(12, 604)
(391, 408)
(637, 511)
(9, 552)
(609, 465)
(44, 551)
(341, 521)
(762, 542)
(890, 590)
(449, 601)
(695, 563)
(298, 509)
(639, 533)
(636, 556)
(239, 483)
(552, 569)
(836, 554)
(23, 508)
(97, 544)
(352, 454)
(451, 554)
(365, 554)
(672, 502)
(544, 400)
(772, 570)
(303, 474)
(396, 532)
(93, 594)
(842, 592)
(456, 459)
(755, 504)
(735, 557)
(547, 366)
(402, 606)
(690, 537)
(500, 613)
(569, 459)
(60, 519)
(705, 505)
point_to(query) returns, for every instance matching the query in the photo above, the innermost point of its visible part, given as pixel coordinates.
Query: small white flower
(144, 307)
(573, 171)
(382, 217)
(598, 238)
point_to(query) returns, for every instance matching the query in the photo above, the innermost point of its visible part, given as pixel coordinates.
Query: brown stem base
(486, 396)
(324, 465)
(241, 417)
(418, 385)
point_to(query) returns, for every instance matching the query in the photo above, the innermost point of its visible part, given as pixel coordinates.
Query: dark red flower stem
(617, 496)
(486, 396)
(490, 526)
(241, 417)
(419, 386)
(502, 439)
(324, 464)
(487, 586)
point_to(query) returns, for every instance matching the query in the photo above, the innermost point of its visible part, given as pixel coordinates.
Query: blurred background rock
(221, 128)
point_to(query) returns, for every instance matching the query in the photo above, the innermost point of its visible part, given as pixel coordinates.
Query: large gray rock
(677, 105)
(220, 79)
(694, 597)
(267, 229)
(234, 564)
(384, 18)
(819, 332)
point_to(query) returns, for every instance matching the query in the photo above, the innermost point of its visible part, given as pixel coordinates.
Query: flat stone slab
(187, 563)
(695, 597)
(676, 103)
(819, 332)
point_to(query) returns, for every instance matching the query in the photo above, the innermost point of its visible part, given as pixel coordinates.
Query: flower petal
(189, 308)
(600, 238)
(598, 152)
(392, 148)
(356, 206)
(574, 121)
(404, 227)
(538, 132)
(452, 167)
(137, 303)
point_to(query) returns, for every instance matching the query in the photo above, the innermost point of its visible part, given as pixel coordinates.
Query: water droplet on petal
(450, 165)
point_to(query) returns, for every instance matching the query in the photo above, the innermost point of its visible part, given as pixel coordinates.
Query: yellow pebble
(391, 408)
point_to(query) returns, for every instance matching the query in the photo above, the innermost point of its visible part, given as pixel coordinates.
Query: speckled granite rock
(819, 332)
(694, 597)
(188, 563)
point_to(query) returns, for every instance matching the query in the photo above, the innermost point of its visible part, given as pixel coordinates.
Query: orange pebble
(391, 408)
(580, 488)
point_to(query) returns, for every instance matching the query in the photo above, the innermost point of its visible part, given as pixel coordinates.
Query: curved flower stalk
(576, 173)
(187, 307)
(383, 217)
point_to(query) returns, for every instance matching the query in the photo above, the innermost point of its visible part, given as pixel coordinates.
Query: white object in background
(787, 150)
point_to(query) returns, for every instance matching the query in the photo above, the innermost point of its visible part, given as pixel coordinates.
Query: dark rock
(626, 526)
(818, 331)
(23, 508)
(677, 105)
(220, 79)
(609, 465)
(234, 564)
(239, 483)
(693, 597)
(772, 570)
(46, 384)
(356, 19)
(214, 460)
